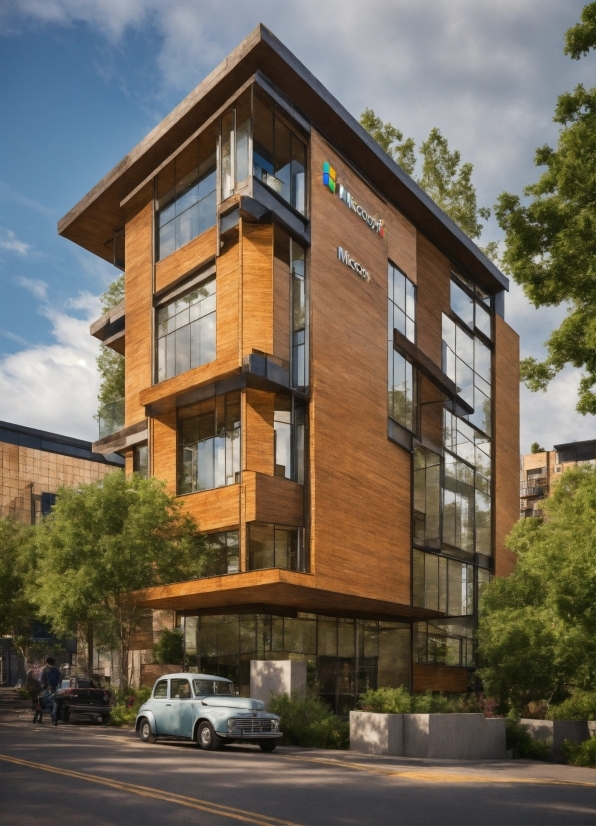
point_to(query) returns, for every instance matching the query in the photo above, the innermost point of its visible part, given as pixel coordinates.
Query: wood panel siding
(271, 499)
(214, 510)
(506, 433)
(185, 260)
(432, 298)
(401, 242)
(360, 482)
(439, 678)
(138, 241)
(163, 450)
(257, 288)
(258, 431)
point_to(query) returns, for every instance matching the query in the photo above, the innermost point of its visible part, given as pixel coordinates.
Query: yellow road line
(157, 794)
(433, 776)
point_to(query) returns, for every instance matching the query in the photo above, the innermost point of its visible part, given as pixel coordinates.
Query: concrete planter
(557, 731)
(269, 677)
(443, 736)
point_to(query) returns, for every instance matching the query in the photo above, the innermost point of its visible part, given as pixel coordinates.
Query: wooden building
(540, 471)
(355, 475)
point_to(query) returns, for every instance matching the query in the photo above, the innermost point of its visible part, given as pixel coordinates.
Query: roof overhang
(92, 222)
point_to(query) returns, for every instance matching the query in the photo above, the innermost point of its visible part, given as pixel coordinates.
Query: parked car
(205, 708)
(81, 697)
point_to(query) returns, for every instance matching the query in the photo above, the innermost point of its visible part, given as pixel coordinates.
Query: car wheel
(207, 739)
(268, 745)
(145, 732)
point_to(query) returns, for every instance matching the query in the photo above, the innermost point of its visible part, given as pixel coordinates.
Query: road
(83, 774)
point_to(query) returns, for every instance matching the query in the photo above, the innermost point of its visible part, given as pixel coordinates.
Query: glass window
(161, 690)
(213, 688)
(186, 331)
(462, 304)
(402, 304)
(400, 391)
(427, 498)
(180, 690)
(275, 546)
(471, 304)
(467, 362)
(48, 500)
(140, 460)
(221, 555)
(300, 377)
(209, 444)
(242, 136)
(289, 428)
(458, 505)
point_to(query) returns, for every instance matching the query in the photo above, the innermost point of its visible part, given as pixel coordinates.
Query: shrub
(169, 649)
(521, 743)
(308, 721)
(581, 754)
(386, 700)
(429, 703)
(400, 701)
(128, 703)
(580, 706)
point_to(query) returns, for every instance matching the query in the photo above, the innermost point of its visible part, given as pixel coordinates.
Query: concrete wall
(557, 731)
(269, 677)
(444, 736)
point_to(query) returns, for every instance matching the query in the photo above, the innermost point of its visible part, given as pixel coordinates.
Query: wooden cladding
(439, 678)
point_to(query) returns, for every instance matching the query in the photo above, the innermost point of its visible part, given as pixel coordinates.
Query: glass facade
(401, 302)
(222, 554)
(299, 314)
(344, 657)
(209, 444)
(140, 460)
(289, 433)
(275, 546)
(186, 331)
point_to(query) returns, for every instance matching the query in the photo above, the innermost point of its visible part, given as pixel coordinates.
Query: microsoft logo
(329, 176)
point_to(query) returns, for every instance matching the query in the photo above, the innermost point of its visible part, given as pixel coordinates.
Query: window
(458, 505)
(400, 390)
(471, 304)
(213, 688)
(402, 304)
(442, 584)
(140, 460)
(161, 690)
(445, 642)
(299, 317)
(427, 498)
(275, 546)
(48, 500)
(221, 554)
(186, 331)
(209, 444)
(467, 362)
(180, 690)
(188, 206)
(279, 154)
(289, 435)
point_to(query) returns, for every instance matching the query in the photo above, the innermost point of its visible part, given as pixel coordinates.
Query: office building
(540, 471)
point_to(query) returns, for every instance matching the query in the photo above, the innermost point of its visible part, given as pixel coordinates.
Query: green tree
(170, 648)
(17, 613)
(537, 628)
(444, 177)
(535, 448)
(101, 543)
(551, 238)
(109, 363)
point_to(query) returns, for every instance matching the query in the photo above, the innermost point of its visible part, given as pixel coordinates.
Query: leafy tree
(109, 363)
(537, 629)
(17, 613)
(444, 177)
(535, 448)
(170, 647)
(551, 239)
(103, 542)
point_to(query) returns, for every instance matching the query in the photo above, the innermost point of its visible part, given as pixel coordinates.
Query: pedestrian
(33, 686)
(50, 680)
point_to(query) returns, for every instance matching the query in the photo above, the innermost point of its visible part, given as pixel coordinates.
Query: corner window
(300, 376)
(443, 584)
(289, 425)
(186, 331)
(467, 362)
(275, 546)
(471, 304)
(209, 444)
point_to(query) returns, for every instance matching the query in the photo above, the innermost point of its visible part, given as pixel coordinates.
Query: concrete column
(269, 677)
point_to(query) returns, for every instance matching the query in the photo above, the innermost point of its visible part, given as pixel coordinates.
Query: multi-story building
(539, 471)
(353, 468)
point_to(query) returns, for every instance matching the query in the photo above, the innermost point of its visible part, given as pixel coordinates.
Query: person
(50, 680)
(33, 686)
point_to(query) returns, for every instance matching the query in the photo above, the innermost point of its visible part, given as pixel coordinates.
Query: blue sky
(83, 81)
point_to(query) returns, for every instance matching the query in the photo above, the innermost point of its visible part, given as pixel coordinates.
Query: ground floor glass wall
(344, 657)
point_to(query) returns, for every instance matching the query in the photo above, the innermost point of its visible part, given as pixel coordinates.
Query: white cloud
(10, 242)
(37, 287)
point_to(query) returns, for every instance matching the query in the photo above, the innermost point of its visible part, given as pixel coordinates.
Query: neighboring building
(354, 504)
(538, 472)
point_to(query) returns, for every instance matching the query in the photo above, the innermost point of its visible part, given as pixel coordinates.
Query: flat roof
(17, 434)
(92, 222)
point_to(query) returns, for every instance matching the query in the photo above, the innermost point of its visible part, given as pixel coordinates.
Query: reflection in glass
(427, 498)
(186, 331)
(275, 546)
(400, 391)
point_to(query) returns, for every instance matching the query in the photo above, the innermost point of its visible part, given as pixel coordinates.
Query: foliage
(551, 239)
(110, 364)
(581, 705)
(538, 626)
(308, 721)
(102, 542)
(169, 649)
(113, 295)
(127, 705)
(581, 754)
(521, 743)
(400, 701)
(535, 448)
(444, 177)
(386, 700)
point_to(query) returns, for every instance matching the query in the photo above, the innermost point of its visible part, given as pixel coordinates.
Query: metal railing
(537, 491)
(110, 418)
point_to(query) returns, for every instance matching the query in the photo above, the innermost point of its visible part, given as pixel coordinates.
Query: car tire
(267, 745)
(145, 732)
(207, 739)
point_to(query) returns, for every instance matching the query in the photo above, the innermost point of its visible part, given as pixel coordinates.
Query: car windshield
(85, 684)
(213, 687)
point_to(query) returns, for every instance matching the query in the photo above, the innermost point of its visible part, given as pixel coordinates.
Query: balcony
(110, 328)
(114, 437)
(540, 491)
(110, 418)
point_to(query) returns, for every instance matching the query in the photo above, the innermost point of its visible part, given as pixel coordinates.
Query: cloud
(10, 242)
(7, 193)
(37, 287)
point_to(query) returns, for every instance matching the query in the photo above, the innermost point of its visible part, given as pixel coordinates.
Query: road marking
(430, 776)
(157, 794)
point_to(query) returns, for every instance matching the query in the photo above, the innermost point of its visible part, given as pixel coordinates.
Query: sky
(83, 81)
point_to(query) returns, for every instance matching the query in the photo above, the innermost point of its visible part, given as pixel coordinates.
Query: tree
(537, 628)
(103, 542)
(551, 239)
(444, 177)
(109, 363)
(535, 448)
(17, 613)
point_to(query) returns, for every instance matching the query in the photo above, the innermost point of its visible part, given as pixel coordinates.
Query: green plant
(580, 706)
(169, 649)
(581, 754)
(22, 694)
(521, 743)
(429, 703)
(386, 700)
(308, 721)
(128, 702)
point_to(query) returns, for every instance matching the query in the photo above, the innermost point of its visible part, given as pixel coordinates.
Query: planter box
(443, 736)
(557, 731)
(269, 677)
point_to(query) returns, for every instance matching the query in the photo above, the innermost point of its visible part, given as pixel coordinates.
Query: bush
(400, 701)
(386, 700)
(169, 649)
(521, 743)
(308, 721)
(581, 754)
(580, 706)
(128, 703)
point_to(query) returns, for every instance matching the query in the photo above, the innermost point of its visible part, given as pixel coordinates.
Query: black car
(81, 697)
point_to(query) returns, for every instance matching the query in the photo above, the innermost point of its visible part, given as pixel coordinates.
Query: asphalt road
(82, 774)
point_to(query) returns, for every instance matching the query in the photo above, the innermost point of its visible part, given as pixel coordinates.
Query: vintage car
(80, 697)
(205, 708)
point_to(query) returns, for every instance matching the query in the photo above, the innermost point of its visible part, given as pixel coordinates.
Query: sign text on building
(345, 257)
(329, 175)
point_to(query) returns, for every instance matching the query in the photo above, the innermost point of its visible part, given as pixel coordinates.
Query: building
(539, 471)
(355, 477)
(34, 464)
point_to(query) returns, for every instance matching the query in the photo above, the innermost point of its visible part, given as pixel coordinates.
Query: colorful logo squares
(329, 176)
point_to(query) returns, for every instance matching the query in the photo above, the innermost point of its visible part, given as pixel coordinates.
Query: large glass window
(402, 304)
(289, 435)
(471, 304)
(445, 642)
(188, 208)
(275, 546)
(186, 331)
(467, 362)
(299, 317)
(209, 444)
(427, 498)
(442, 584)
(458, 505)
(400, 390)
(221, 554)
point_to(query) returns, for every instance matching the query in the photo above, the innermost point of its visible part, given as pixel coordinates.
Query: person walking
(50, 680)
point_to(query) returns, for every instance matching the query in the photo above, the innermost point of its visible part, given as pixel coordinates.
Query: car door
(181, 712)
(160, 706)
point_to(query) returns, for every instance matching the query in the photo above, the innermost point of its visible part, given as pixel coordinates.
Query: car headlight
(230, 725)
(275, 725)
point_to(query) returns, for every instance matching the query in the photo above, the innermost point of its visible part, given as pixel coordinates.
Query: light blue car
(205, 708)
